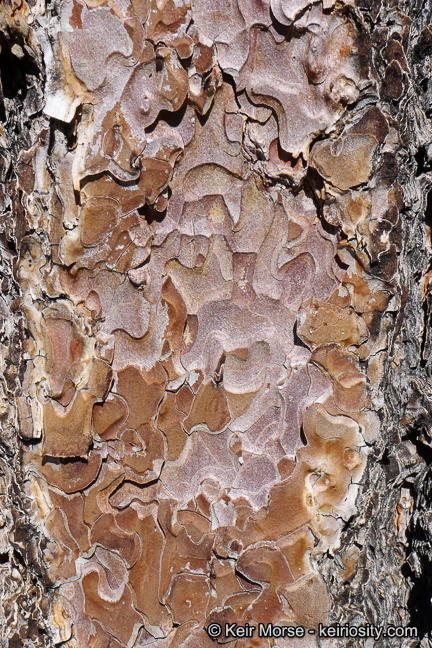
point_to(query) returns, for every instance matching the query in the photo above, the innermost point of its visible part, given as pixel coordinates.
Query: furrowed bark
(216, 315)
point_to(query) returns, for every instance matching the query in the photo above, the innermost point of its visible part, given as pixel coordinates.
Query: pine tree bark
(215, 323)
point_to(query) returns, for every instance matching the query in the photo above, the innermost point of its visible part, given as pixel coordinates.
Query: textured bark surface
(216, 347)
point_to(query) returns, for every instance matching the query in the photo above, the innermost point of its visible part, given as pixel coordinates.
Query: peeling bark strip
(216, 319)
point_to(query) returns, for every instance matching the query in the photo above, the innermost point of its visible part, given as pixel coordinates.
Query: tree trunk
(216, 316)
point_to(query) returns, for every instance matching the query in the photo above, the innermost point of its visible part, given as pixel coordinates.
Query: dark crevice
(424, 361)
(340, 263)
(303, 436)
(426, 305)
(151, 214)
(419, 540)
(418, 434)
(297, 340)
(69, 130)
(423, 165)
(14, 71)
(428, 210)
(173, 119)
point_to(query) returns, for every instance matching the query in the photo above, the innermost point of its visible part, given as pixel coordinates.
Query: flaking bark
(164, 192)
